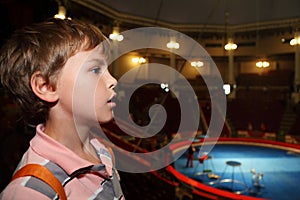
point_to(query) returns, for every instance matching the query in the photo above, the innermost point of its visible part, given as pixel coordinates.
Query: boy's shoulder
(17, 190)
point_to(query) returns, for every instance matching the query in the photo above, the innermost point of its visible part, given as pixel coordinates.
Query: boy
(57, 72)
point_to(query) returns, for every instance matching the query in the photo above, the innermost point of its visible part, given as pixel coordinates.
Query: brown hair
(43, 47)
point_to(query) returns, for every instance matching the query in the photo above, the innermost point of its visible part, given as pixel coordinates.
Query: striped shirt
(81, 179)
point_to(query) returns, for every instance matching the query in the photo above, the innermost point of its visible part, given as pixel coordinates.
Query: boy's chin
(104, 121)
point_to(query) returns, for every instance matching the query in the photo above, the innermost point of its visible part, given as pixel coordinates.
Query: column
(230, 47)
(172, 45)
(296, 93)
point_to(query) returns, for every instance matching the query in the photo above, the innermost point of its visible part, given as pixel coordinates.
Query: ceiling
(210, 16)
(213, 12)
(186, 16)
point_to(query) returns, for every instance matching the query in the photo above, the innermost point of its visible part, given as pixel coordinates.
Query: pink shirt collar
(52, 150)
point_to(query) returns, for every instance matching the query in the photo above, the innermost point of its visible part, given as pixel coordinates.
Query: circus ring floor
(278, 162)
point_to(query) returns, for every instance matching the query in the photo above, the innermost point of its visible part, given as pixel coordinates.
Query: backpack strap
(43, 174)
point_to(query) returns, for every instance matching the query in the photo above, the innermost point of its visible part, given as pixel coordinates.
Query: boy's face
(86, 87)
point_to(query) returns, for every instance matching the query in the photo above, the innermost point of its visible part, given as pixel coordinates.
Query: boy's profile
(57, 73)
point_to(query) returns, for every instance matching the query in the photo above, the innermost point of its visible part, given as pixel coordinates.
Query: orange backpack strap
(43, 174)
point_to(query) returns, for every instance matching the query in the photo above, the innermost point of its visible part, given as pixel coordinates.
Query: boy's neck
(74, 137)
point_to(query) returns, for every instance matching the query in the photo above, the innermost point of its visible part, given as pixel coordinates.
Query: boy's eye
(96, 70)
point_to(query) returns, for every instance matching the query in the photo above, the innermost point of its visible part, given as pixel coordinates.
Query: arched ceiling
(211, 12)
(194, 15)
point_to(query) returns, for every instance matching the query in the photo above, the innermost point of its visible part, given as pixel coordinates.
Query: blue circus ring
(277, 160)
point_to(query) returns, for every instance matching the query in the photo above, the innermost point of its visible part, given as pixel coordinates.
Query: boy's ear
(42, 88)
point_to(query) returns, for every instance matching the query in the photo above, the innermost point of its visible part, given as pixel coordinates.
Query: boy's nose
(111, 81)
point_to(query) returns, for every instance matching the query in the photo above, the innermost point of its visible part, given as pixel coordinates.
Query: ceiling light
(230, 46)
(262, 64)
(197, 64)
(115, 35)
(295, 41)
(139, 60)
(173, 45)
(61, 13)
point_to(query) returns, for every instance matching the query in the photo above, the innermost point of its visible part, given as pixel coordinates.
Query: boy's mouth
(112, 97)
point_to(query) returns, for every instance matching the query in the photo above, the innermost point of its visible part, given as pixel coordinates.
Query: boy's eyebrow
(100, 61)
